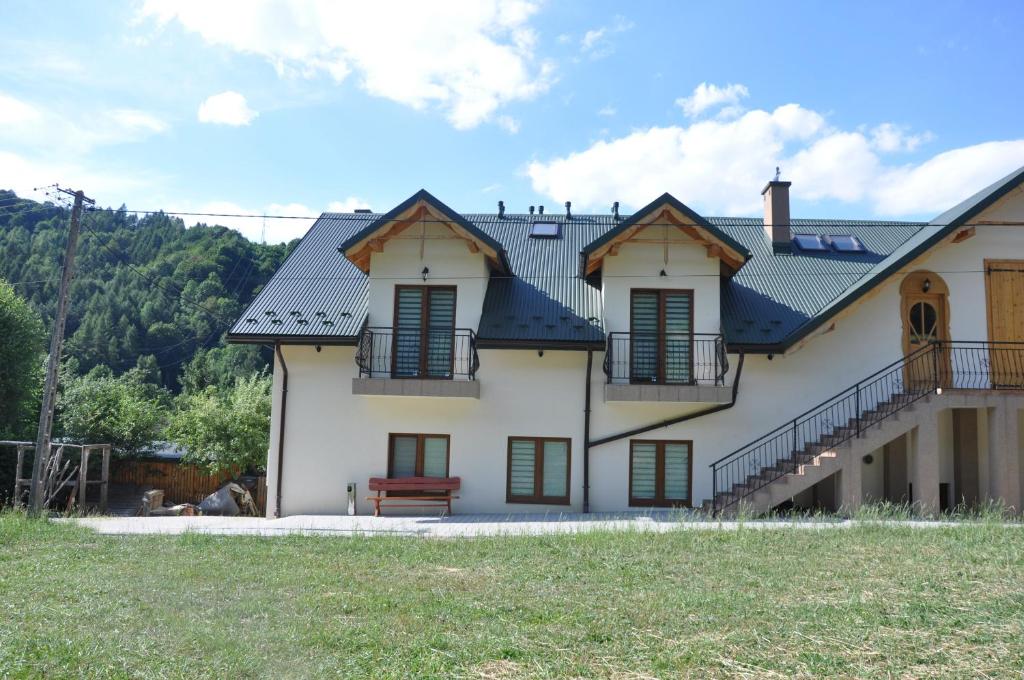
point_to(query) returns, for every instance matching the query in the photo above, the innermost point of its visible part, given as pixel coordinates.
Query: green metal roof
(773, 301)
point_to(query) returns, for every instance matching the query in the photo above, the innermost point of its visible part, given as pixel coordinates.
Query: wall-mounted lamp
(426, 270)
(927, 285)
(662, 273)
(868, 459)
(540, 352)
(318, 348)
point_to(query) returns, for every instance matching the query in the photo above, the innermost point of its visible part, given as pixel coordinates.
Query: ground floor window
(417, 455)
(538, 470)
(660, 473)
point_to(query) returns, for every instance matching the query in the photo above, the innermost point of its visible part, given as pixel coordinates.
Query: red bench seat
(439, 488)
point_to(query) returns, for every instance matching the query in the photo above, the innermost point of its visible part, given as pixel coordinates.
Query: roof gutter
(673, 421)
(586, 434)
(280, 427)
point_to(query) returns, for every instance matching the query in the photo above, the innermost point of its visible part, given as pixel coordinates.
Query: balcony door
(424, 334)
(661, 337)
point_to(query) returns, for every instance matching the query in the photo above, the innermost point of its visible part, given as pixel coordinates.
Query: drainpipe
(670, 421)
(586, 435)
(280, 429)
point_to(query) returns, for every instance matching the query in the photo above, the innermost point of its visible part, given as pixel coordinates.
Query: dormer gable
(666, 210)
(422, 208)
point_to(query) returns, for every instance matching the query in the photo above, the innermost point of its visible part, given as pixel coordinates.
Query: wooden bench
(408, 488)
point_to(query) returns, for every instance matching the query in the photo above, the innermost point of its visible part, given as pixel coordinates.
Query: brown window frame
(538, 473)
(424, 333)
(661, 292)
(420, 439)
(659, 500)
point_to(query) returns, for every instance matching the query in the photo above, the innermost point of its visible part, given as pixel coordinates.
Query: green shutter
(440, 324)
(677, 472)
(403, 457)
(678, 337)
(408, 331)
(522, 467)
(643, 472)
(435, 456)
(556, 469)
(644, 336)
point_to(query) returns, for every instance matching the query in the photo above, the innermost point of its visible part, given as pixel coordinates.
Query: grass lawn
(866, 602)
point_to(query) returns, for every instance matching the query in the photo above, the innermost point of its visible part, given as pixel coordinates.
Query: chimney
(540, 210)
(776, 213)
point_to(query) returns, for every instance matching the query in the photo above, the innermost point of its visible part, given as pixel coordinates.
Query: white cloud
(350, 204)
(226, 108)
(720, 166)
(23, 174)
(706, 96)
(607, 111)
(596, 42)
(467, 59)
(32, 125)
(508, 124)
(888, 137)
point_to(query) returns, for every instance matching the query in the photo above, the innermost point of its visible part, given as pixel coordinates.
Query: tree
(225, 429)
(22, 341)
(126, 411)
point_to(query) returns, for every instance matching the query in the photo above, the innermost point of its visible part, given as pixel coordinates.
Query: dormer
(660, 273)
(427, 271)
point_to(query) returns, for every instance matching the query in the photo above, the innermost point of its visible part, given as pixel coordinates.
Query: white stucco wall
(334, 437)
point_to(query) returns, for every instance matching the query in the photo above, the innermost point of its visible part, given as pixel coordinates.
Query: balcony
(416, 362)
(666, 367)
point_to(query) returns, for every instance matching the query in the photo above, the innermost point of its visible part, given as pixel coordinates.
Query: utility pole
(35, 498)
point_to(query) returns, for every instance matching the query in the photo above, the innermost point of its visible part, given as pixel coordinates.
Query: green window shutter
(403, 457)
(556, 469)
(440, 324)
(678, 337)
(408, 331)
(644, 472)
(435, 456)
(522, 467)
(677, 472)
(644, 336)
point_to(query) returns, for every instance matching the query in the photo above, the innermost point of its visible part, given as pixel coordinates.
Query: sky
(872, 109)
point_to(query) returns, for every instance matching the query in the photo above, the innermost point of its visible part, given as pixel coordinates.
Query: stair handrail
(793, 424)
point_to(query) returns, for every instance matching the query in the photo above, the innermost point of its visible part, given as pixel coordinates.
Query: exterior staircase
(841, 430)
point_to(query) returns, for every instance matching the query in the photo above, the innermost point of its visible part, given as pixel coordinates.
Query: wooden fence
(180, 482)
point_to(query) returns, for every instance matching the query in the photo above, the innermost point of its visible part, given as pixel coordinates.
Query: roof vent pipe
(531, 209)
(776, 213)
(615, 210)
(540, 210)
(501, 209)
(568, 210)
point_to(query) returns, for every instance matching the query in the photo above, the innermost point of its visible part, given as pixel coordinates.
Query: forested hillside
(148, 292)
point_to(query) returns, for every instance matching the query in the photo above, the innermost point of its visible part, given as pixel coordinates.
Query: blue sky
(870, 108)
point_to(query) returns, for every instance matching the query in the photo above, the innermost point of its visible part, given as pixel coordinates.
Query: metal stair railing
(845, 416)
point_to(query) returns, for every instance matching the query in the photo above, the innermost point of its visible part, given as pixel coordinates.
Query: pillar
(924, 464)
(851, 485)
(1004, 454)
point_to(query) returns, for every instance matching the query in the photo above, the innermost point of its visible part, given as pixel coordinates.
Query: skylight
(845, 243)
(544, 230)
(809, 242)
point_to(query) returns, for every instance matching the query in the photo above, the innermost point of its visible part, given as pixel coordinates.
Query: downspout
(280, 428)
(670, 421)
(586, 435)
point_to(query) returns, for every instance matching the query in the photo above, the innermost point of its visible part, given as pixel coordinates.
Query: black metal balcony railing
(666, 358)
(939, 366)
(439, 354)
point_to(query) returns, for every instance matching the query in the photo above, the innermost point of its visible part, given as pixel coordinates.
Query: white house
(562, 362)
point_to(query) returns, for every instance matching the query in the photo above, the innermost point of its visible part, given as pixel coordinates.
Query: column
(1004, 454)
(924, 464)
(851, 485)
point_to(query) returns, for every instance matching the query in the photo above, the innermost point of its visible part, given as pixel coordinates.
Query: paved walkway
(455, 526)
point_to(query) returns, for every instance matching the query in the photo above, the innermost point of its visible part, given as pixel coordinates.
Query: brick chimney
(776, 213)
